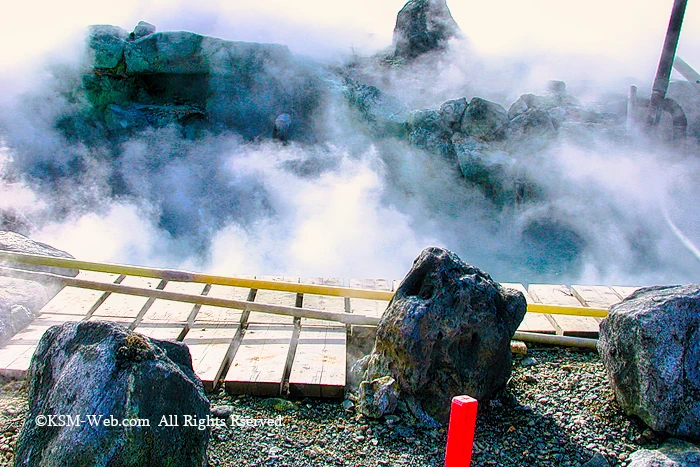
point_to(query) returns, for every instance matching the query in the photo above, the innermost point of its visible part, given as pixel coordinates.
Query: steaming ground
(352, 204)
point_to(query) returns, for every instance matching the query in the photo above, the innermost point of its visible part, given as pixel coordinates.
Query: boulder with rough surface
(650, 346)
(446, 332)
(103, 370)
(423, 26)
(673, 453)
(484, 120)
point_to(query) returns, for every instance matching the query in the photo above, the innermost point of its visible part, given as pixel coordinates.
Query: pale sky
(626, 32)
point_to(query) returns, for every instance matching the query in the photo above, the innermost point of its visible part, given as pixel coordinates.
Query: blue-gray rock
(452, 112)
(597, 461)
(427, 130)
(423, 26)
(103, 369)
(107, 44)
(283, 123)
(484, 120)
(446, 332)
(673, 453)
(378, 397)
(143, 29)
(650, 346)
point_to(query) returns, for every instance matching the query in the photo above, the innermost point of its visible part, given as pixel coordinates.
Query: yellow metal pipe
(346, 318)
(185, 276)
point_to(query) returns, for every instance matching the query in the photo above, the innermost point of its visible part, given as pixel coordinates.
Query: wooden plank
(624, 292)
(578, 326)
(323, 302)
(16, 354)
(320, 358)
(259, 365)
(166, 319)
(273, 297)
(319, 362)
(210, 350)
(77, 301)
(215, 314)
(533, 322)
(375, 308)
(595, 296)
(122, 308)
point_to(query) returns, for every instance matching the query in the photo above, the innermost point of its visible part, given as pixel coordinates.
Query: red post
(460, 434)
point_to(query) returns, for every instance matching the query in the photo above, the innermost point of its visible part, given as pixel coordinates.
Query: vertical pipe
(631, 107)
(663, 72)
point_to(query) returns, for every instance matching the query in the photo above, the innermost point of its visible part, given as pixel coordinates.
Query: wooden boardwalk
(261, 353)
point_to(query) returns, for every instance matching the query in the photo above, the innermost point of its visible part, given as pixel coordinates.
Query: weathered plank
(166, 319)
(319, 363)
(624, 292)
(215, 314)
(533, 322)
(210, 350)
(595, 296)
(567, 325)
(16, 354)
(258, 367)
(273, 297)
(122, 308)
(361, 306)
(77, 301)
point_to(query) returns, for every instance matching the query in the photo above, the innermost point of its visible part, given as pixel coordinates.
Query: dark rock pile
(446, 332)
(102, 370)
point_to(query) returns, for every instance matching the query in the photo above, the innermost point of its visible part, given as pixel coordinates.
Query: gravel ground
(558, 411)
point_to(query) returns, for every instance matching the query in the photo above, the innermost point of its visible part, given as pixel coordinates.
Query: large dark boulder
(650, 346)
(446, 332)
(105, 370)
(423, 26)
(673, 453)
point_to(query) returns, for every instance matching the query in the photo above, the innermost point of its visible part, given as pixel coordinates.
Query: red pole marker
(460, 434)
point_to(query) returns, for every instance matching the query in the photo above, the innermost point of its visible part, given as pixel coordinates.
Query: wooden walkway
(260, 353)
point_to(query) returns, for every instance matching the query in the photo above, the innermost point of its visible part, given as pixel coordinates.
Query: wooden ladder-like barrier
(253, 349)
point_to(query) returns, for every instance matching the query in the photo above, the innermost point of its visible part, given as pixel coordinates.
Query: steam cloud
(352, 204)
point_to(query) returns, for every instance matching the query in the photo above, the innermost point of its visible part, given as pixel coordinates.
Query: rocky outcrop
(150, 78)
(650, 346)
(673, 453)
(103, 370)
(17, 243)
(423, 26)
(446, 332)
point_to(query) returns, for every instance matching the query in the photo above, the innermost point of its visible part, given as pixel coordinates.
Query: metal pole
(631, 107)
(663, 72)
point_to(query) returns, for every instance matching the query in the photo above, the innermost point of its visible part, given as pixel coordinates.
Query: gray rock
(29, 294)
(650, 346)
(386, 113)
(378, 397)
(492, 171)
(423, 26)
(484, 120)
(673, 453)
(283, 123)
(222, 411)
(107, 45)
(452, 112)
(17, 243)
(427, 130)
(13, 318)
(534, 127)
(597, 461)
(446, 332)
(167, 52)
(143, 29)
(103, 369)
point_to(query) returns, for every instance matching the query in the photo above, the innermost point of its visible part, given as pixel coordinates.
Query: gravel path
(559, 411)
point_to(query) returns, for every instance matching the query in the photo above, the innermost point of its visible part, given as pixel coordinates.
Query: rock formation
(673, 453)
(423, 26)
(103, 370)
(650, 346)
(446, 332)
